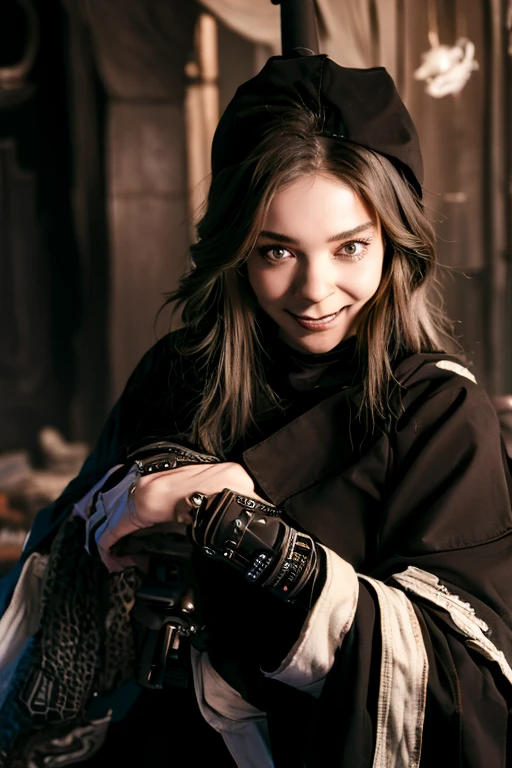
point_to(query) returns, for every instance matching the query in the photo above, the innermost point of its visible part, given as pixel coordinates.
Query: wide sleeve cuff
(312, 656)
(242, 726)
(21, 619)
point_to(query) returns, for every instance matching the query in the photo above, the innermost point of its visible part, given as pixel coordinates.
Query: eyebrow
(334, 239)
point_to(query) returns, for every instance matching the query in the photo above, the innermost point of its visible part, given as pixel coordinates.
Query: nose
(315, 281)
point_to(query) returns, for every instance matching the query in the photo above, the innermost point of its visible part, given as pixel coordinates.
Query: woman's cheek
(269, 286)
(363, 283)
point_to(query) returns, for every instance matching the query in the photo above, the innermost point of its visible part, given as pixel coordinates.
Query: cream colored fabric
(347, 32)
(21, 619)
(474, 629)
(403, 681)
(450, 365)
(256, 21)
(312, 656)
(243, 727)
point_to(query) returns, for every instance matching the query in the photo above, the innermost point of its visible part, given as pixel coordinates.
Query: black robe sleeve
(447, 512)
(124, 426)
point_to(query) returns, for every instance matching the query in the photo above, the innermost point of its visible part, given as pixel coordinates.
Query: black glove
(254, 538)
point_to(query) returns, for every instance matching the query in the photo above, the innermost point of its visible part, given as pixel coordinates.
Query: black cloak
(429, 487)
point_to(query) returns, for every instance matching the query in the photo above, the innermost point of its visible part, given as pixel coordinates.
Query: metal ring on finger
(196, 499)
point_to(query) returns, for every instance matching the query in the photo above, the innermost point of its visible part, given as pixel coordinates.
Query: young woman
(316, 366)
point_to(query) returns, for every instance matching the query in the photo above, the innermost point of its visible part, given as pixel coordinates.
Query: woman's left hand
(164, 497)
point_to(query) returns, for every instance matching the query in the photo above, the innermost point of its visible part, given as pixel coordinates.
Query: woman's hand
(164, 497)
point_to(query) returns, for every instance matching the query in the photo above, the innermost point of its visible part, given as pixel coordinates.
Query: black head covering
(358, 105)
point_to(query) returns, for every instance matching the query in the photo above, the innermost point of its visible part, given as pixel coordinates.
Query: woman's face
(318, 260)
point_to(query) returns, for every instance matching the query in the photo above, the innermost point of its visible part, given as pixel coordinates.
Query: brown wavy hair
(219, 309)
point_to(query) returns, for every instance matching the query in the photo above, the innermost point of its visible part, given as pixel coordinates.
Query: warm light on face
(318, 261)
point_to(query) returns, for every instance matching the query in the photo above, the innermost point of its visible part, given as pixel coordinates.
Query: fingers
(164, 497)
(183, 511)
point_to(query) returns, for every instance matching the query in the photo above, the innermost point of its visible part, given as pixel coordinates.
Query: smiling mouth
(323, 319)
(317, 323)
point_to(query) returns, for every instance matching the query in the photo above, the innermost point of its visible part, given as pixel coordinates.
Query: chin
(314, 343)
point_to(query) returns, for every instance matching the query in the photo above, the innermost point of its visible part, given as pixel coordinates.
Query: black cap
(358, 105)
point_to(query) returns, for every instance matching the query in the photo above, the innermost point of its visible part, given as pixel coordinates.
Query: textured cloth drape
(355, 33)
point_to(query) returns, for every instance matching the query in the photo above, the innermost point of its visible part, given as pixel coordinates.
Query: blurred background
(107, 110)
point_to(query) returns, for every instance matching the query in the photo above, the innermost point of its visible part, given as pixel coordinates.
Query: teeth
(319, 319)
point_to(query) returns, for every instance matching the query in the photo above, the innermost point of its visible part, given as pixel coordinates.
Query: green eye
(274, 253)
(278, 253)
(355, 249)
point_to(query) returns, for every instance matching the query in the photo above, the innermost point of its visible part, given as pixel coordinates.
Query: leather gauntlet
(162, 456)
(255, 539)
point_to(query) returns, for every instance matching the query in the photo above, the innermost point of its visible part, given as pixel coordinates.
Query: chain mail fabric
(84, 644)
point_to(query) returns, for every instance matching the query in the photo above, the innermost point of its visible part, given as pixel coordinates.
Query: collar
(291, 370)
